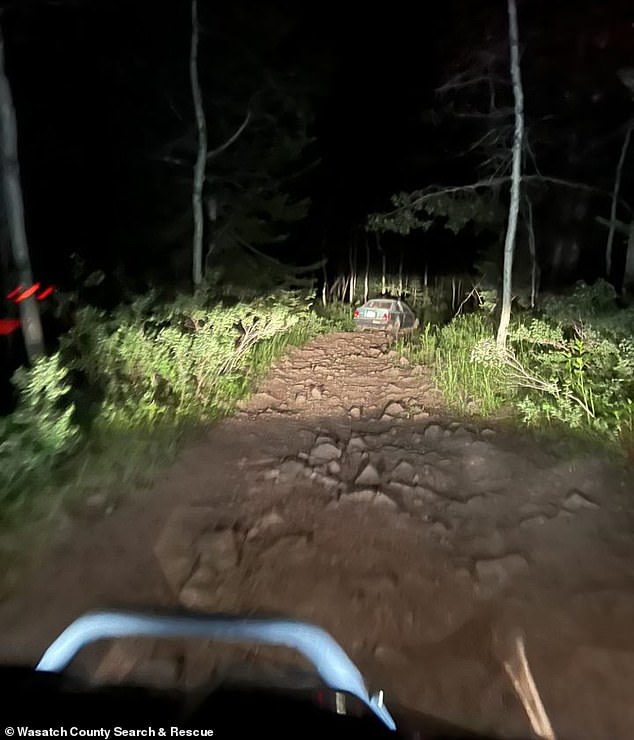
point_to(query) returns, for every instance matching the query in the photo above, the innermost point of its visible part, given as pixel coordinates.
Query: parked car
(385, 314)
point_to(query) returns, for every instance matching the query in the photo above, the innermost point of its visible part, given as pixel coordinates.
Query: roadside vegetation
(110, 407)
(569, 364)
(112, 404)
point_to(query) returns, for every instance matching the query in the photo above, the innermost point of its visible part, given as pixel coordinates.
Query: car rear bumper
(375, 324)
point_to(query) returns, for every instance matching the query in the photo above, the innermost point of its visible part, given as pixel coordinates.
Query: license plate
(370, 314)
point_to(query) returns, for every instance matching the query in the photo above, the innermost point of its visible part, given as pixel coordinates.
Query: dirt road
(342, 494)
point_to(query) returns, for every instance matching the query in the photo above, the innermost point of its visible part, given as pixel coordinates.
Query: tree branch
(498, 113)
(459, 84)
(615, 197)
(619, 226)
(492, 182)
(511, 650)
(306, 268)
(231, 139)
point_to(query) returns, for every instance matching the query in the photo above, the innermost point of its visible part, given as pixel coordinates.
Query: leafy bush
(38, 433)
(573, 364)
(143, 364)
(184, 359)
(584, 302)
(586, 375)
(126, 372)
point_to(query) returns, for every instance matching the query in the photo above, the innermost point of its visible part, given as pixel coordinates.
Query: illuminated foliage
(455, 208)
(573, 365)
(186, 359)
(39, 432)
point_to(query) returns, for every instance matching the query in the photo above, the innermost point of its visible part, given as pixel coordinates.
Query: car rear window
(378, 304)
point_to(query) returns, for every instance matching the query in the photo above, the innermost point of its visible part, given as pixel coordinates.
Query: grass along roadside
(558, 374)
(465, 386)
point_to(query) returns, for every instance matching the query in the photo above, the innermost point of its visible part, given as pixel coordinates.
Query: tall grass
(338, 314)
(466, 385)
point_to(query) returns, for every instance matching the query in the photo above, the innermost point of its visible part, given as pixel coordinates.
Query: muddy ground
(343, 494)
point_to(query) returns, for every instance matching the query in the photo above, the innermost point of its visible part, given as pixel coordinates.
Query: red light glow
(27, 293)
(46, 293)
(8, 326)
(14, 292)
(19, 294)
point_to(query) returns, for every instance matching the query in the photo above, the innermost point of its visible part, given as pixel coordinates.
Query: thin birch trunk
(14, 209)
(366, 284)
(352, 254)
(324, 290)
(383, 265)
(344, 288)
(516, 176)
(201, 158)
(628, 276)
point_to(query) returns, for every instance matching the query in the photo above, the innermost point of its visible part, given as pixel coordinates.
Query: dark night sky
(99, 86)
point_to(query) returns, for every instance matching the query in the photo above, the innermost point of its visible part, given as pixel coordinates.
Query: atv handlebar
(326, 655)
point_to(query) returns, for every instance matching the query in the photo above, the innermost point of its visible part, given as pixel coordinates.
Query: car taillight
(386, 316)
(356, 311)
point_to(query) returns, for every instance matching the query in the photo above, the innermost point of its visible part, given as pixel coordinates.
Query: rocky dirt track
(341, 493)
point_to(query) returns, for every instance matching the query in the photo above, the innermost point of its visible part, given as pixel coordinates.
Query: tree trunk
(628, 277)
(324, 290)
(516, 176)
(383, 265)
(532, 251)
(366, 283)
(5, 257)
(14, 208)
(352, 253)
(400, 276)
(383, 274)
(344, 287)
(212, 216)
(615, 198)
(201, 158)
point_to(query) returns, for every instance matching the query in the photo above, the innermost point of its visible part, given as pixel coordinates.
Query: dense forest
(339, 114)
